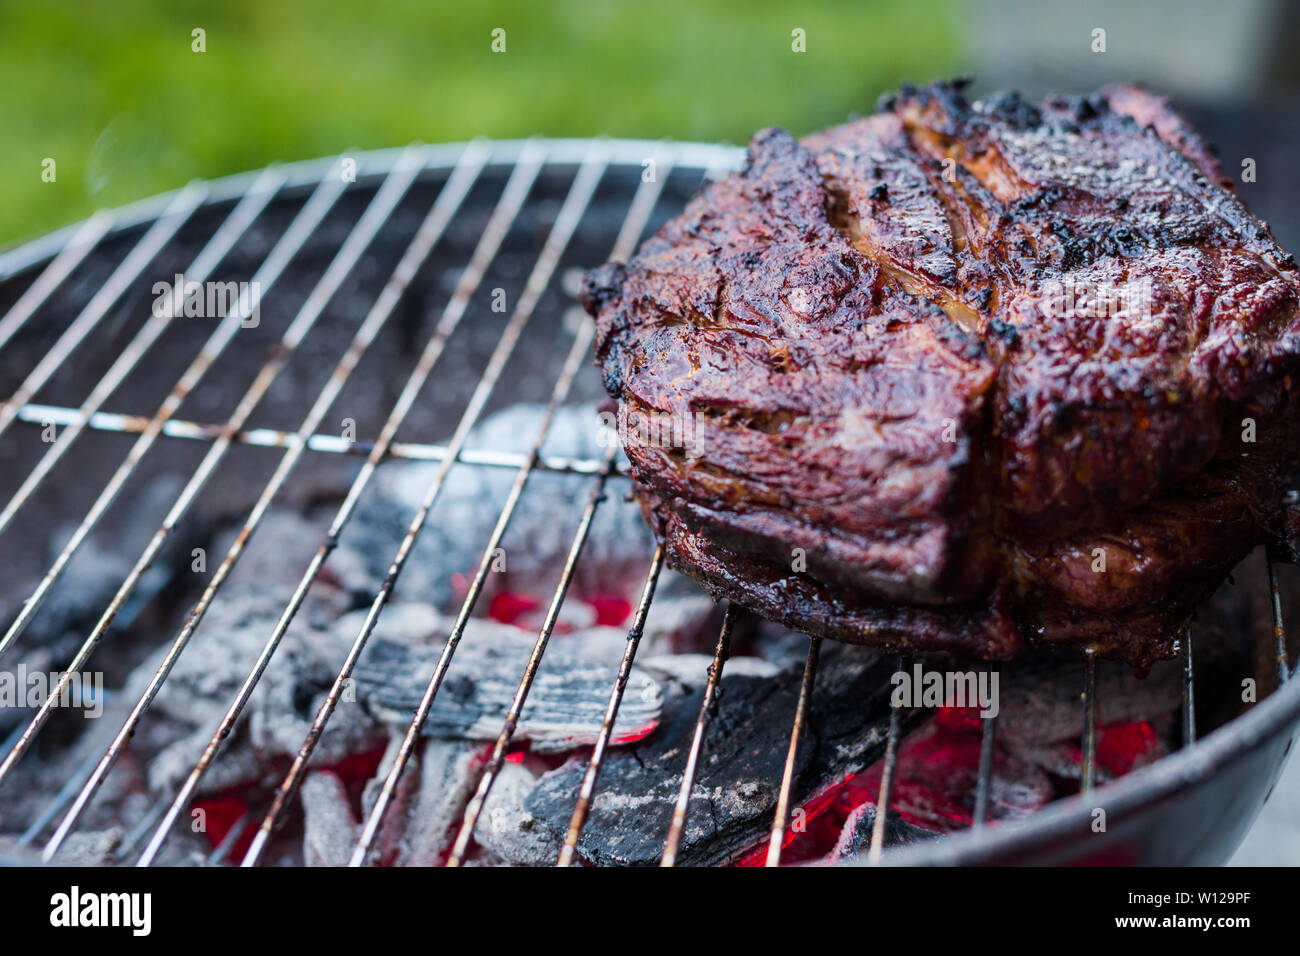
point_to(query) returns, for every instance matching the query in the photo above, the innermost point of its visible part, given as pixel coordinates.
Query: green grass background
(113, 93)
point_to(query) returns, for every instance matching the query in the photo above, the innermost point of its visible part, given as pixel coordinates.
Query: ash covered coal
(938, 770)
(565, 706)
(855, 838)
(97, 568)
(1040, 720)
(431, 796)
(564, 710)
(740, 771)
(540, 532)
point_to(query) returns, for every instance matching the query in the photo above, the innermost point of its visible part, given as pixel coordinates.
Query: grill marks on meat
(943, 354)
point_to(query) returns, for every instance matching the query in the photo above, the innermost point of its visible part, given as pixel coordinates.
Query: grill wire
(463, 165)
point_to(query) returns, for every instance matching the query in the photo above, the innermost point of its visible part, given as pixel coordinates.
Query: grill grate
(398, 171)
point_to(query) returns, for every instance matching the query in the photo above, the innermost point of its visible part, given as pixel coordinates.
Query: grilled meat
(962, 376)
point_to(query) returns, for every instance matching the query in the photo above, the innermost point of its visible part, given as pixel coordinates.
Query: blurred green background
(113, 93)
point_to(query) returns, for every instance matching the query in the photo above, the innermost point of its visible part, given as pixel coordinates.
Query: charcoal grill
(1192, 806)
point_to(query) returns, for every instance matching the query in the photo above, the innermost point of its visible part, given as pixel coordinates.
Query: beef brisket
(962, 376)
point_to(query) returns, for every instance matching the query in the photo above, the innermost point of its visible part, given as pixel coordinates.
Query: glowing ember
(938, 769)
(219, 816)
(508, 607)
(611, 610)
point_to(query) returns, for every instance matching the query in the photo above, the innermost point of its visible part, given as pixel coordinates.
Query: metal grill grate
(458, 169)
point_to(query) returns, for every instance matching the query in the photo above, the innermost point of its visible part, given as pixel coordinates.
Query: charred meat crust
(931, 361)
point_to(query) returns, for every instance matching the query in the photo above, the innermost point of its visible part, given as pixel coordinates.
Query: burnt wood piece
(926, 368)
(740, 772)
(565, 707)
